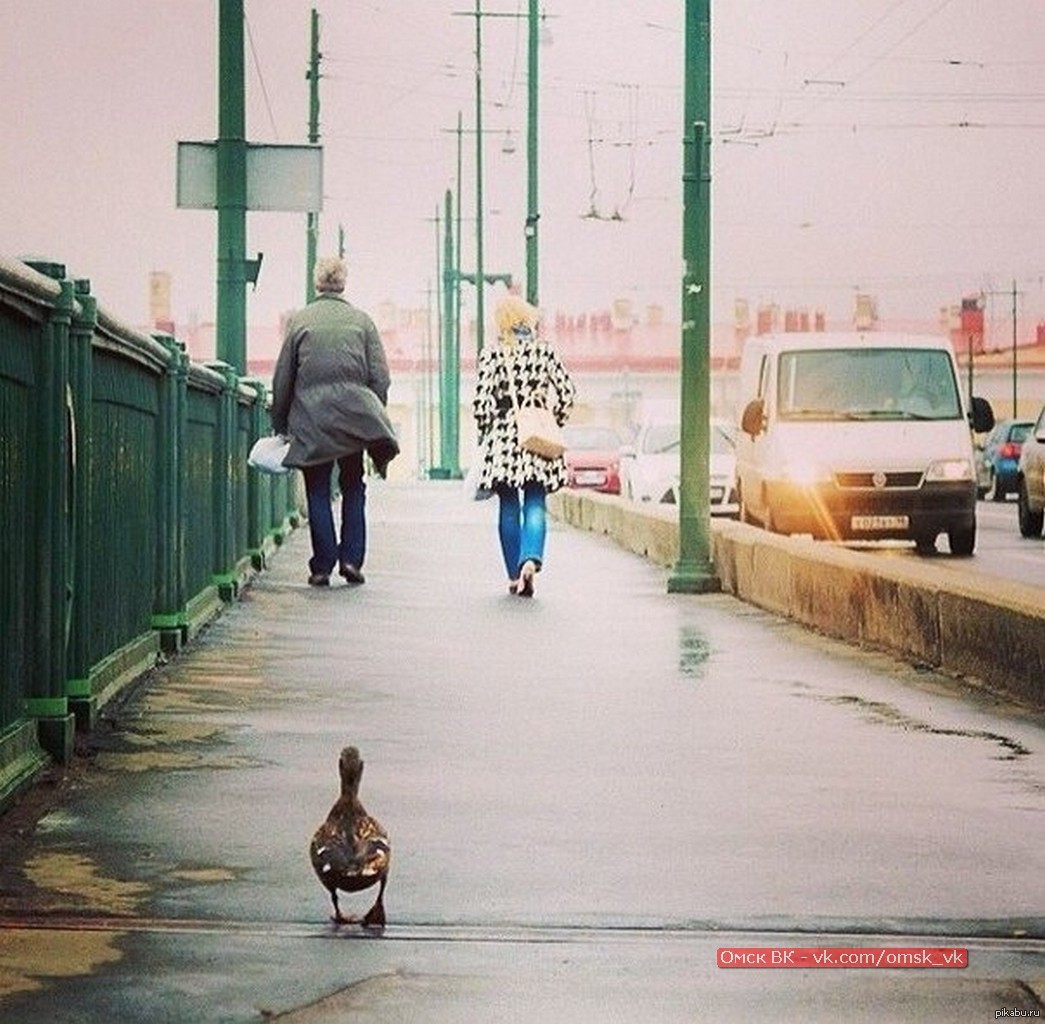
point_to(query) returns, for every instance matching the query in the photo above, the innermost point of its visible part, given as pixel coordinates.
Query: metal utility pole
(694, 573)
(532, 213)
(450, 370)
(480, 287)
(459, 199)
(312, 228)
(1015, 389)
(231, 188)
(1014, 294)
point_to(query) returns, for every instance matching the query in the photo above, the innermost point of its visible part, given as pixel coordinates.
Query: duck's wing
(373, 846)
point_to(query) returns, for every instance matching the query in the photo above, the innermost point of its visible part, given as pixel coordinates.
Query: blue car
(997, 460)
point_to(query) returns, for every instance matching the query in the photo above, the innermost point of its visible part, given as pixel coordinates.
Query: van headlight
(949, 471)
(805, 473)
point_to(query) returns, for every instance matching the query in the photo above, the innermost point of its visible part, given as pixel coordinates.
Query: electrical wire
(261, 78)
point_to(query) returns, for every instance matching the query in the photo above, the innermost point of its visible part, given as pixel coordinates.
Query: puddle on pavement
(31, 956)
(69, 881)
(880, 713)
(694, 651)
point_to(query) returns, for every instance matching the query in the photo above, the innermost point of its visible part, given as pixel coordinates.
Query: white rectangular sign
(279, 177)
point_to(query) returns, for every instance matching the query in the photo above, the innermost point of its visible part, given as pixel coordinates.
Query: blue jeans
(521, 529)
(326, 550)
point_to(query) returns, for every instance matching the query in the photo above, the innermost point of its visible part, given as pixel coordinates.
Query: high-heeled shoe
(529, 570)
(513, 587)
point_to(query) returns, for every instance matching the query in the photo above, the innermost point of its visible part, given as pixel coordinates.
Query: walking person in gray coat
(329, 392)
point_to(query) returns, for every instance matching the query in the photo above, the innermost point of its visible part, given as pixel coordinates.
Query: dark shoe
(319, 579)
(529, 569)
(352, 575)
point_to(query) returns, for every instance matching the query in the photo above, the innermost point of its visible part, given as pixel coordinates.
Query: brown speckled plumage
(350, 850)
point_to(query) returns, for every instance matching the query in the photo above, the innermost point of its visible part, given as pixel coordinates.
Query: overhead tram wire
(261, 78)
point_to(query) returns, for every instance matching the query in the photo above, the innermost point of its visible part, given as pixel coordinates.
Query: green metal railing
(128, 513)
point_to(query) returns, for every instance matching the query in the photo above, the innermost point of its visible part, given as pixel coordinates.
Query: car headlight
(805, 473)
(949, 471)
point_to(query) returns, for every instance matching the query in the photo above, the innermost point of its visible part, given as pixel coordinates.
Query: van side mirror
(753, 421)
(981, 416)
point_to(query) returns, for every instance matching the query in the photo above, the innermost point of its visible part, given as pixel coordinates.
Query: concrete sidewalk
(541, 766)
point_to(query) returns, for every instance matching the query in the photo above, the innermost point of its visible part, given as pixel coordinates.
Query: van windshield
(867, 383)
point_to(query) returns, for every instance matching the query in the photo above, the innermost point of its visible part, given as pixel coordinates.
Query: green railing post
(169, 613)
(82, 700)
(257, 524)
(225, 577)
(46, 699)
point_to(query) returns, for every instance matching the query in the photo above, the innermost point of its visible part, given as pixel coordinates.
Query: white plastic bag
(472, 490)
(268, 453)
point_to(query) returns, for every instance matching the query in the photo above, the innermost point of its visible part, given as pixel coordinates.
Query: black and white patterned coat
(536, 370)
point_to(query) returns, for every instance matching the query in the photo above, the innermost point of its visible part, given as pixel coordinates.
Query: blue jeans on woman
(522, 527)
(327, 551)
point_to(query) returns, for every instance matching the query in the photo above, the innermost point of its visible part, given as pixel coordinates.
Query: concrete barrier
(963, 624)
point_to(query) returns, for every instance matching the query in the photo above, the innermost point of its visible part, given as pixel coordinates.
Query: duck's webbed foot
(337, 917)
(375, 916)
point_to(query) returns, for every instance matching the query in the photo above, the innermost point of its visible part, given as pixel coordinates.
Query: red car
(592, 457)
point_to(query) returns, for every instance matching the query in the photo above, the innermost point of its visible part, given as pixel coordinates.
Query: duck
(351, 851)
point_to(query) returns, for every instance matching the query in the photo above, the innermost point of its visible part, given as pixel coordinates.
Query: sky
(892, 147)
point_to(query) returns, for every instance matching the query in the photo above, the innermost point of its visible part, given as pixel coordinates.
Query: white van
(858, 436)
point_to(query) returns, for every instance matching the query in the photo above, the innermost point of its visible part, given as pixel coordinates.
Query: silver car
(650, 466)
(1030, 480)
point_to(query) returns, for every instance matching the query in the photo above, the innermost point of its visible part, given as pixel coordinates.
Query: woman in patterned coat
(519, 478)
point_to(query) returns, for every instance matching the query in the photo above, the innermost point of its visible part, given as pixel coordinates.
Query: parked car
(997, 459)
(592, 457)
(1030, 480)
(650, 467)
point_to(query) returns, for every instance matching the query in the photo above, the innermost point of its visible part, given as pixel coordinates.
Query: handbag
(535, 425)
(538, 431)
(268, 453)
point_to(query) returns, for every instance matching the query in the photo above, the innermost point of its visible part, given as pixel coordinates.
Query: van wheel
(925, 543)
(962, 540)
(1030, 521)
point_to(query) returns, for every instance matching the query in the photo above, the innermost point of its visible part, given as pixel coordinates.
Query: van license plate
(880, 522)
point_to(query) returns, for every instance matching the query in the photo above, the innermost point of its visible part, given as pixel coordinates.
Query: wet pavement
(588, 794)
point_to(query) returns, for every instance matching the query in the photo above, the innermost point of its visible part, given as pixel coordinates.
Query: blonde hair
(329, 274)
(512, 311)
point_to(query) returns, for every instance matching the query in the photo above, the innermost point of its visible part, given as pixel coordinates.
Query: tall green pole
(312, 228)
(694, 573)
(532, 213)
(231, 188)
(455, 313)
(480, 279)
(450, 370)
